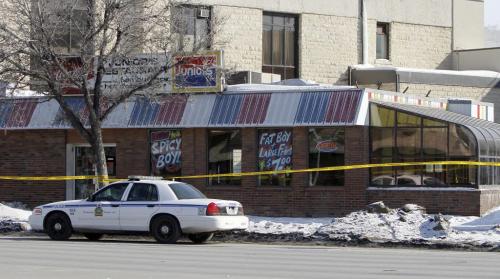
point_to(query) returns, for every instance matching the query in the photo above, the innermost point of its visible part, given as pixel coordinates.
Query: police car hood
(208, 201)
(65, 202)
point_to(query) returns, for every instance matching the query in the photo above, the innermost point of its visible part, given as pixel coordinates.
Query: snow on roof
(289, 85)
(24, 93)
(12, 92)
(284, 86)
(487, 74)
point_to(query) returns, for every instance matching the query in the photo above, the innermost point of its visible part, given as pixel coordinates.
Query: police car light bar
(142, 177)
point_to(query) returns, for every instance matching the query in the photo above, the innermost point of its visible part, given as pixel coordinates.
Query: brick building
(259, 128)
(326, 37)
(327, 40)
(236, 131)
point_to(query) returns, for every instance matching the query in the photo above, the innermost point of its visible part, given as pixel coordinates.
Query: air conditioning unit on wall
(203, 13)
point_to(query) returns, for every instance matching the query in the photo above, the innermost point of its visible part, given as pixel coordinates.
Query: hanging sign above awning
(197, 73)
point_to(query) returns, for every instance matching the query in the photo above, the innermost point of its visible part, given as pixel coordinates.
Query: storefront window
(381, 117)
(326, 148)
(224, 156)
(383, 142)
(434, 123)
(383, 176)
(85, 165)
(166, 153)
(408, 175)
(434, 143)
(462, 141)
(402, 137)
(461, 175)
(408, 120)
(275, 154)
(434, 175)
(408, 142)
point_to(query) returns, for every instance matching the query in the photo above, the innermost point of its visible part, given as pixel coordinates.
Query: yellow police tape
(255, 173)
(340, 168)
(61, 178)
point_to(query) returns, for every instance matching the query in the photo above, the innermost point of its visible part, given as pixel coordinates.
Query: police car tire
(93, 236)
(62, 221)
(199, 238)
(174, 231)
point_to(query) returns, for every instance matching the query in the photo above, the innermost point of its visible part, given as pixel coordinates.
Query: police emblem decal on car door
(98, 211)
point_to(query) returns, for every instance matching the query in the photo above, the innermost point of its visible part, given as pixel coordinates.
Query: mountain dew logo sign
(197, 73)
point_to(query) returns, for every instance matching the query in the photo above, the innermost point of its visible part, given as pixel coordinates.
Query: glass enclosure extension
(405, 133)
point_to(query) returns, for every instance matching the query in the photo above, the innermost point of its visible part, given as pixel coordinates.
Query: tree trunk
(100, 158)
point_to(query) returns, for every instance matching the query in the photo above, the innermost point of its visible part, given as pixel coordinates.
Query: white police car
(166, 209)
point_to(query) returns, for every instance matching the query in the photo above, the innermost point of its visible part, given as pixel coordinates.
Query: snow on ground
(408, 225)
(489, 221)
(13, 219)
(14, 213)
(397, 226)
(305, 226)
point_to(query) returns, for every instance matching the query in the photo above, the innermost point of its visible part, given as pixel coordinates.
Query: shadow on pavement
(81, 239)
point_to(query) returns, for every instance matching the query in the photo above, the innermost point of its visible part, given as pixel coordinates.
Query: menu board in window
(275, 154)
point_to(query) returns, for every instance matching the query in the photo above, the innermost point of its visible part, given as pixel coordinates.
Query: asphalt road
(41, 258)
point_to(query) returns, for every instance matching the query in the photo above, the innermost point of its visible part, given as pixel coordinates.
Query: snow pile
(395, 226)
(13, 219)
(304, 226)
(407, 225)
(489, 221)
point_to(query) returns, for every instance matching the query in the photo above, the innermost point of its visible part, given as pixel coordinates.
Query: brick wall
(420, 46)
(43, 153)
(32, 153)
(490, 198)
(298, 199)
(240, 36)
(132, 149)
(328, 45)
(194, 155)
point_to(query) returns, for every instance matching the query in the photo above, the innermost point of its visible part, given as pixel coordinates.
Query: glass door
(85, 165)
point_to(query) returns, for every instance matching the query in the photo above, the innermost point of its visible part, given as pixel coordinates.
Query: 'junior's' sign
(197, 73)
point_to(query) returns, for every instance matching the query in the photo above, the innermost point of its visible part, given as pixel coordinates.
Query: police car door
(141, 204)
(102, 210)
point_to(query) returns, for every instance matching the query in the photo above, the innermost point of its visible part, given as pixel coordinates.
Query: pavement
(38, 257)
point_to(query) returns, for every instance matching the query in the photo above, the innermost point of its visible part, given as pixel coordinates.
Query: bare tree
(57, 46)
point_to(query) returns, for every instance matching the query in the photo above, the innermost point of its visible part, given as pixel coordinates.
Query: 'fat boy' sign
(275, 150)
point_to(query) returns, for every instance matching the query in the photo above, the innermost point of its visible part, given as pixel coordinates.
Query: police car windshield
(185, 191)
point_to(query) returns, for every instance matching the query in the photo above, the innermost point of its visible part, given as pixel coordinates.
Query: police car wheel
(199, 238)
(93, 236)
(58, 226)
(165, 229)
